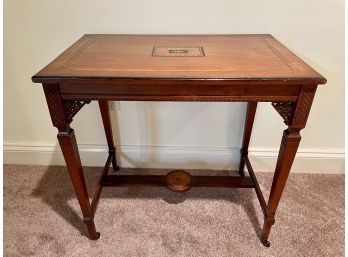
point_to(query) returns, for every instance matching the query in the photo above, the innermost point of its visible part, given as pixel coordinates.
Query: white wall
(36, 31)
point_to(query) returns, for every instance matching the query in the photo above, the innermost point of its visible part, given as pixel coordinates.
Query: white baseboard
(329, 161)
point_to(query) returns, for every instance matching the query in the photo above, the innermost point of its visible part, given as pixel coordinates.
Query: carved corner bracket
(295, 113)
(72, 107)
(61, 111)
(285, 109)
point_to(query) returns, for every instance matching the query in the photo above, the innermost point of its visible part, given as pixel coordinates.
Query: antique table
(211, 68)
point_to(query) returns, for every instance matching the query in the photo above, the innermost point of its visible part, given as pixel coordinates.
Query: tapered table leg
(287, 152)
(249, 121)
(295, 117)
(104, 110)
(71, 155)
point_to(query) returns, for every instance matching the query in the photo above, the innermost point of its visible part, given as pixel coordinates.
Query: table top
(212, 57)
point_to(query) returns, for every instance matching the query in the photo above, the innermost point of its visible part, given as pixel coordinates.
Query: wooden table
(211, 68)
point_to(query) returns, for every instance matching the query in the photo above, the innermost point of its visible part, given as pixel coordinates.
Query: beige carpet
(42, 218)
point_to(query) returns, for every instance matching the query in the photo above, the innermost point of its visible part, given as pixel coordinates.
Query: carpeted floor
(42, 218)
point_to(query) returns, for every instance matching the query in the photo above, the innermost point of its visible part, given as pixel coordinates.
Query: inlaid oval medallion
(178, 181)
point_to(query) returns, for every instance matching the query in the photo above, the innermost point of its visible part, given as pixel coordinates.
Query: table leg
(288, 148)
(249, 121)
(104, 110)
(61, 115)
(71, 155)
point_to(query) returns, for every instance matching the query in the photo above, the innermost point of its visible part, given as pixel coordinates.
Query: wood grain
(235, 57)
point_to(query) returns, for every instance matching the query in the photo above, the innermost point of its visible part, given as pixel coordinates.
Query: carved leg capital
(295, 114)
(61, 111)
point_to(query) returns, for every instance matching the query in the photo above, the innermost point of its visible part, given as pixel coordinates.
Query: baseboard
(263, 159)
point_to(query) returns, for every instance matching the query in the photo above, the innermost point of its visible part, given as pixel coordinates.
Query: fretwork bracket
(295, 113)
(286, 110)
(72, 107)
(61, 111)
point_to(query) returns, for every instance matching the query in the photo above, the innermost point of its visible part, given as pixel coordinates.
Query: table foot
(265, 242)
(241, 173)
(97, 235)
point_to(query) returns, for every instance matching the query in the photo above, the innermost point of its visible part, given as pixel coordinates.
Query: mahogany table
(211, 68)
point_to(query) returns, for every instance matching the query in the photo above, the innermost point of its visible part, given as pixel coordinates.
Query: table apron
(90, 90)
